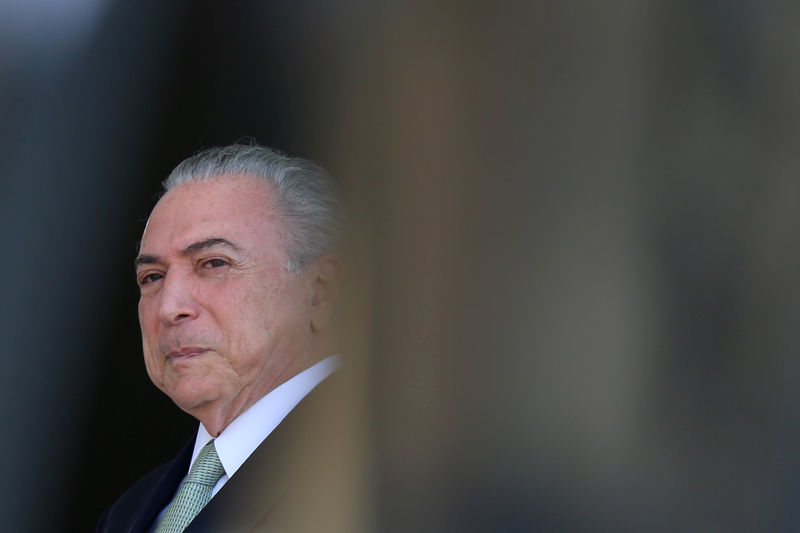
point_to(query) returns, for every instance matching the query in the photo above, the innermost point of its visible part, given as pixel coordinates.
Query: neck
(216, 416)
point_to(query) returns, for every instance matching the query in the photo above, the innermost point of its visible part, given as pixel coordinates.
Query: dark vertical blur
(573, 250)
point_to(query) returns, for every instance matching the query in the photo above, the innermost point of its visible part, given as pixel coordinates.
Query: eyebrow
(147, 259)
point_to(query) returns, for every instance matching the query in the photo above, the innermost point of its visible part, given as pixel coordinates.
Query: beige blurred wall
(576, 230)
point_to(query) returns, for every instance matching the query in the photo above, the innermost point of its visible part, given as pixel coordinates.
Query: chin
(191, 394)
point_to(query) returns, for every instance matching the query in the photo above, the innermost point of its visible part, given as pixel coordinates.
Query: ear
(325, 276)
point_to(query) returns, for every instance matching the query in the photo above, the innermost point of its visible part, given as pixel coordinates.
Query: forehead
(238, 208)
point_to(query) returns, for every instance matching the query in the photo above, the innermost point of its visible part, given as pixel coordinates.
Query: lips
(185, 353)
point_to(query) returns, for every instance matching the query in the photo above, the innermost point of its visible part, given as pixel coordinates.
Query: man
(238, 272)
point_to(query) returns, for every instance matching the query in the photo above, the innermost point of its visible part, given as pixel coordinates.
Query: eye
(147, 279)
(216, 262)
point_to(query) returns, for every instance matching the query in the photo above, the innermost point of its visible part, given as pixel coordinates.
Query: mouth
(185, 353)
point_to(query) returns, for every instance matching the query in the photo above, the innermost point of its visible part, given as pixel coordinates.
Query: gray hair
(307, 197)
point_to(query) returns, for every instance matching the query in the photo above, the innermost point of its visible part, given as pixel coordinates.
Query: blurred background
(573, 260)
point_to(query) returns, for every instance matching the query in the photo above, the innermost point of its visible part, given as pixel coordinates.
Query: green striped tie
(195, 492)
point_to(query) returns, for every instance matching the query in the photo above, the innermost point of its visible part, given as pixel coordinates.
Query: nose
(177, 303)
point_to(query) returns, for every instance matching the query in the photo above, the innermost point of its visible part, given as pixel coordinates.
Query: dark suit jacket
(285, 485)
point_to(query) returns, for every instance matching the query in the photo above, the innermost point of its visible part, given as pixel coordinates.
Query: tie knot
(207, 468)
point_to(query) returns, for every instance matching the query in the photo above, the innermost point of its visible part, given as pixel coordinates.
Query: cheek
(148, 320)
(248, 322)
(153, 369)
(148, 324)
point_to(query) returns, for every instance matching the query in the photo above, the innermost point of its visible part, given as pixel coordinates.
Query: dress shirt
(247, 431)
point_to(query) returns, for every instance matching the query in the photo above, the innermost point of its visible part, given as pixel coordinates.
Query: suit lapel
(162, 491)
(256, 488)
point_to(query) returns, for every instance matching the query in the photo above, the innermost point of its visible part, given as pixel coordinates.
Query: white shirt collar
(247, 431)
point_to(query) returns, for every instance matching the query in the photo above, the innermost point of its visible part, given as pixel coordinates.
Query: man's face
(223, 321)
